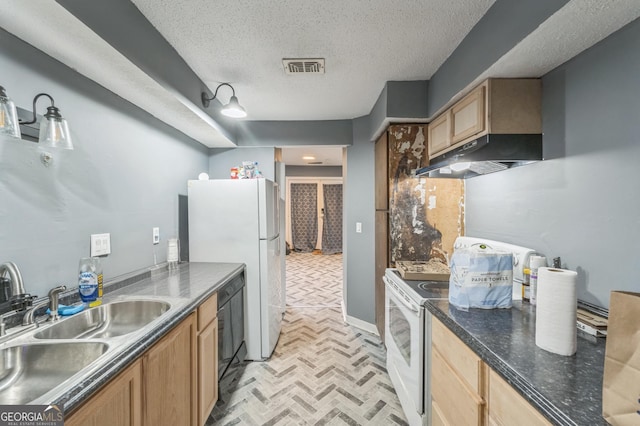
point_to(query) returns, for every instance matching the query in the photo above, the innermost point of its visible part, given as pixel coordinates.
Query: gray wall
(582, 203)
(504, 25)
(314, 171)
(359, 207)
(123, 177)
(221, 160)
(294, 133)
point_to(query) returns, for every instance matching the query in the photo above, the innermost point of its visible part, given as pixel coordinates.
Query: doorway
(314, 214)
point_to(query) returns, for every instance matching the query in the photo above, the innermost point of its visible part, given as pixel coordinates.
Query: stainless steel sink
(31, 370)
(106, 321)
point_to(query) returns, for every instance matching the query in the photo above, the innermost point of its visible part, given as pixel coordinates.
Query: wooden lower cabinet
(173, 383)
(207, 359)
(507, 407)
(169, 371)
(118, 403)
(465, 391)
(457, 403)
(457, 380)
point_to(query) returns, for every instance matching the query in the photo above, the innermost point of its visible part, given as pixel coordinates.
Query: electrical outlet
(156, 235)
(100, 244)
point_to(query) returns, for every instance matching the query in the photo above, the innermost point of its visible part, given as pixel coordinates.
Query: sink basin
(31, 370)
(105, 321)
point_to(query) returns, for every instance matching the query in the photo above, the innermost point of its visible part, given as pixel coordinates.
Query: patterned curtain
(332, 224)
(304, 216)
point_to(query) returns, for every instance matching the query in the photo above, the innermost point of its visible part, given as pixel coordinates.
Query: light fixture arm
(206, 100)
(52, 111)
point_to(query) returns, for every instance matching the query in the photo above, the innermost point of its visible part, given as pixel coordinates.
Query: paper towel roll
(556, 312)
(536, 262)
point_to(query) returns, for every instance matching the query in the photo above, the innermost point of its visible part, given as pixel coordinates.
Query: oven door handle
(400, 297)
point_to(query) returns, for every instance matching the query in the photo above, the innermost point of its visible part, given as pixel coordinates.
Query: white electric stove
(408, 328)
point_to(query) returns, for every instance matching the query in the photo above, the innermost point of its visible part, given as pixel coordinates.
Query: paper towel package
(556, 311)
(481, 277)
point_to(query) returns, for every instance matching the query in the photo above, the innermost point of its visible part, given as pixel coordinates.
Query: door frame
(310, 179)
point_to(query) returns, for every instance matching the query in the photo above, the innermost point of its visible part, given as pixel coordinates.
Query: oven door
(404, 328)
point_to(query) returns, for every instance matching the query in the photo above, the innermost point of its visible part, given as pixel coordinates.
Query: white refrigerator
(238, 221)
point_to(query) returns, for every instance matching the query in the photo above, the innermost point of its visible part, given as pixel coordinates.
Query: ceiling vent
(303, 66)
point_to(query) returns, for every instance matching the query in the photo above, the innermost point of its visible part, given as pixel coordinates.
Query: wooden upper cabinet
(467, 116)
(440, 134)
(381, 154)
(497, 106)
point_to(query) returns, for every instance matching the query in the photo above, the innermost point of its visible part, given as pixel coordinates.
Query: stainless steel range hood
(487, 154)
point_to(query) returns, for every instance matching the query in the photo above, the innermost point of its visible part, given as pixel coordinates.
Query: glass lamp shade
(9, 124)
(233, 109)
(54, 133)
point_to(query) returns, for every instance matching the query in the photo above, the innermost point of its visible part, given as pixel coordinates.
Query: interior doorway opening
(313, 229)
(314, 214)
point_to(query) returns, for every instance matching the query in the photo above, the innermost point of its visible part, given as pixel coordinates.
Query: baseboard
(355, 322)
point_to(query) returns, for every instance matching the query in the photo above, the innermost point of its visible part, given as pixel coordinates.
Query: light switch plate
(359, 227)
(156, 235)
(100, 244)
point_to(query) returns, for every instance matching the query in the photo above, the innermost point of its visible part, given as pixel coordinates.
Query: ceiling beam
(127, 30)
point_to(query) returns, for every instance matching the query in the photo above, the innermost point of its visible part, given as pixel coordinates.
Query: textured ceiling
(572, 29)
(365, 43)
(39, 23)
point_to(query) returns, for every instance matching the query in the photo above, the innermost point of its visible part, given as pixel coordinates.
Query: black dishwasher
(231, 346)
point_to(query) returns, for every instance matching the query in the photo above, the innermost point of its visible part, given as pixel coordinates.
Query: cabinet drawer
(207, 311)
(507, 407)
(457, 404)
(458, 355)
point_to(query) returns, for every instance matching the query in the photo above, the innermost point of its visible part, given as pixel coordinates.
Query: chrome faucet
(28, 318)
(52, 302)
(15, 278)
(54, 293)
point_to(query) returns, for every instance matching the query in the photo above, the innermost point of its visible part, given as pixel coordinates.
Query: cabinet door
(467, 116)
(507, 407)
(458, 405)
(117, 404)
(169, 377)
(207, 371)
(440, 134)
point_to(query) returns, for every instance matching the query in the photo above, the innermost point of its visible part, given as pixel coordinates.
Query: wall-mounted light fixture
(54, 130)
(232, 109)
(8, 116)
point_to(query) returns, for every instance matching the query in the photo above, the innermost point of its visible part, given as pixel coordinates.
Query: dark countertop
(191, 282)
(566, 390)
